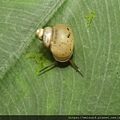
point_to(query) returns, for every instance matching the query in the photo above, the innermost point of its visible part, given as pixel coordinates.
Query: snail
(60, 41)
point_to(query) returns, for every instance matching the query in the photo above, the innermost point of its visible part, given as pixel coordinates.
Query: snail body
(60, 41)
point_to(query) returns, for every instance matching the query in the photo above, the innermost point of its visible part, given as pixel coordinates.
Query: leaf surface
(60, 90)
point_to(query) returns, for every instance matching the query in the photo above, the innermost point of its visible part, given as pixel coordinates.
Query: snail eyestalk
(48, 67)
(75, 67)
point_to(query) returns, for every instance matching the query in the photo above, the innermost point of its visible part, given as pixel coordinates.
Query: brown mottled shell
(62, 43)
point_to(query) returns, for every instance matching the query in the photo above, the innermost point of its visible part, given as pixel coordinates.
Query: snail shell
(59, 40)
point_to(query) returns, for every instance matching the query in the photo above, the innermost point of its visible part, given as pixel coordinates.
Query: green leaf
(60, 90)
